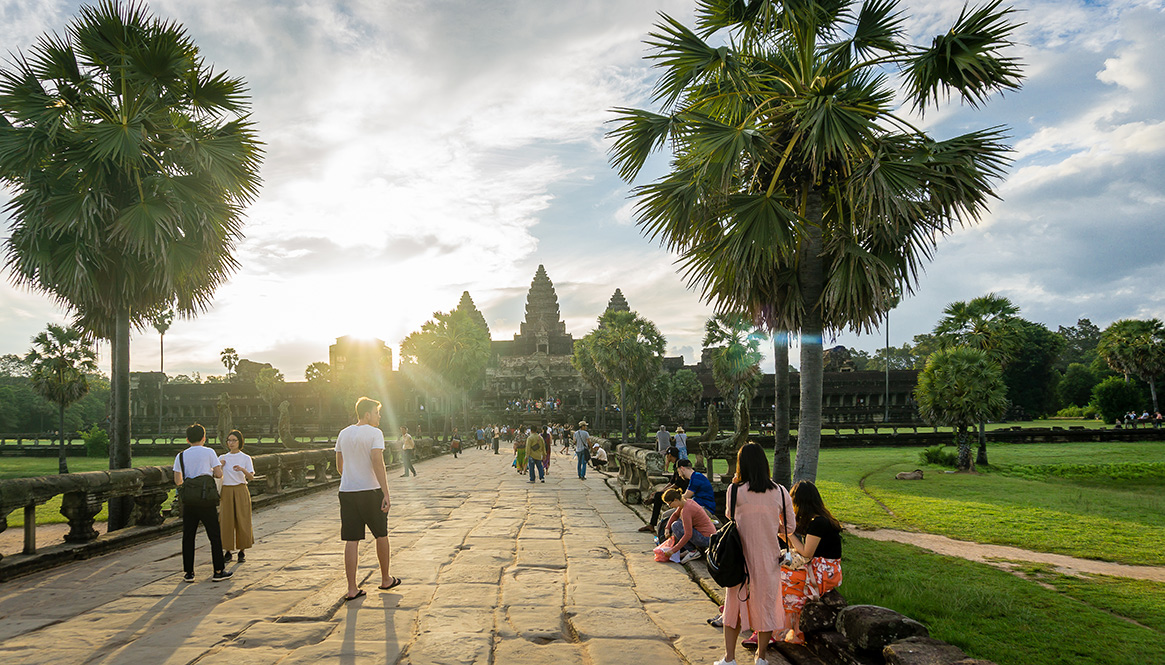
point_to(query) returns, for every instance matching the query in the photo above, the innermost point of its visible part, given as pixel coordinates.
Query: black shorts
(360, 509)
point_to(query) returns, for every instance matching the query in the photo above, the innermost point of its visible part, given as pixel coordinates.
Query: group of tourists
(791, 544)
(222, 504)
(1132, 420)
(534, 449)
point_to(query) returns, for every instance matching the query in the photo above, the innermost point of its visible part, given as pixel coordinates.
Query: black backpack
(199, 491)
(726, 561)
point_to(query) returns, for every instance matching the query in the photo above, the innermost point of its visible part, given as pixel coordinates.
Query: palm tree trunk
(162, 382)
(782, 470)
(63, 464)
(465, 407)
(119, 444)
(964, 461)
(623, 407)
(1153, 390)
(981, 457)
(812, 276)
(598, 402)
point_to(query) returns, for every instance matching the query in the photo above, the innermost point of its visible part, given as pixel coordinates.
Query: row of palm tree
(798, 193)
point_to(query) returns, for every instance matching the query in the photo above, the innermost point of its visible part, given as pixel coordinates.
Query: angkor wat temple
(525, 376)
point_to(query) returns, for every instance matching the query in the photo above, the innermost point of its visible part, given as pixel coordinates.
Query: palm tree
(990, 323)
(735, 354)
(59, 359)
(1136, 347)
(628, 352)
(782, 471)
(230, 360)
(583, 360)
(959, 387)
(162, 323)
(269, 384)
(452, 351)
(131, 162)
(797, 193)
(319, 378)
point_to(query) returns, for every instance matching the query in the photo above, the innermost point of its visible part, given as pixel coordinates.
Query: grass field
(50, 512)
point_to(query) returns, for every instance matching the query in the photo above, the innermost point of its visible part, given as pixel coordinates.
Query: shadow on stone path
(496, 570)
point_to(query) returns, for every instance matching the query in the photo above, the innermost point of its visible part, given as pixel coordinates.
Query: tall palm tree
(959, 387)
(990, 323)
(1137, 347)
(583, 360)
(59, 359)
(230, 360)
(162, 323)
(782, 471)
(797, 193)
(131, 162)
(628, 352)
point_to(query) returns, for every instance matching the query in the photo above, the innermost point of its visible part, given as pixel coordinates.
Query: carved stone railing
(640, 470)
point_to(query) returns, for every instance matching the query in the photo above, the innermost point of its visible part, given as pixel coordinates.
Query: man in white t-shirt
(198, 460)
(364, 498)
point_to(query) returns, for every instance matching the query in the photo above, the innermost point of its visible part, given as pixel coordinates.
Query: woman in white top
(235, 505)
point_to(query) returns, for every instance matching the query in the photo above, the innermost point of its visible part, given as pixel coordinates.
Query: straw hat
(582, 423)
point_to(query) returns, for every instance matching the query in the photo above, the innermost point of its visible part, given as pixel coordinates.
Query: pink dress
(757, 604)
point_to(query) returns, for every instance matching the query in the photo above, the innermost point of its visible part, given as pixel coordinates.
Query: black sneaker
(221, 575)
(227, 556)
(242, 556)
(188, 577)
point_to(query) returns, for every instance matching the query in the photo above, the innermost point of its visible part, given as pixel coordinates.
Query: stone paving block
(472, 573)
(344, 652)
(544, 533)
(541, 623)
(536, 587)
(279, 581)
(600, 622)
(465, 595)
(457, 620)
(609, 571)
(287, 636)
(376, 623)
(449, 649)
(238, 656)
(541, 553)
(152, 654)
(522, 652)
(258, 604)
(623, 651)
(592, 594)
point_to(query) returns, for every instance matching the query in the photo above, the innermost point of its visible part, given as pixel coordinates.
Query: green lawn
(50, 512)
(1018, 500)
(993, 614)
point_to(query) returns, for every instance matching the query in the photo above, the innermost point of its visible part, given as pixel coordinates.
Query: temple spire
(543, 331)
(467, 305)
(618, 303)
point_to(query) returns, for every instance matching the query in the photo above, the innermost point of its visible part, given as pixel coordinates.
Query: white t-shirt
(200, 461)
(356, 443)
(229, 462)
(600, 454)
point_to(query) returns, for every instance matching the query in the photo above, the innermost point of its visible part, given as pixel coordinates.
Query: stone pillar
(148, 507)
(80, 508)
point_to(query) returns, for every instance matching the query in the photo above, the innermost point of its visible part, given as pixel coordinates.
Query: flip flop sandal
(396, 581)
(358, 594)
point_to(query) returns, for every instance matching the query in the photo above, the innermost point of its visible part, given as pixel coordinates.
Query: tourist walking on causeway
(407, 445)
(682, 442)
(497, 439)
(760, 507)
(234, 515)
(662, 440)
(364, 498)
(582, 448)
(455, 443)
(199, 466)
(549, 441)
(535, 451)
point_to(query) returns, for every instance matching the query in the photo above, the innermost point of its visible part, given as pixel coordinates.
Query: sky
(425, 148)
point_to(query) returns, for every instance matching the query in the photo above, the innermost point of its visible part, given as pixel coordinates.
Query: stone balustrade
(640, 470)
(83, 495)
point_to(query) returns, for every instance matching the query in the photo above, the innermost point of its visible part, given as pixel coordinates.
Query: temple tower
(618, 303)
(543, 331)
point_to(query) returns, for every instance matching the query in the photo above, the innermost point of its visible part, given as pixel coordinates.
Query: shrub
(938, 456)
(1070, 412)
(96, 441)
(1114, 398)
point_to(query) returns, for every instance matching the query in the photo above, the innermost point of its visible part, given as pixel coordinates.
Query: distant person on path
(234, 515)
(519, 451)
(497, 438)
(480, 438)
(582, 448)
(198, 460)
(407, 446)
(760, 503)
(682, 442)
(662, 440)
(817, 538)
(549, 448)
(535, 451)
(455, 443)
(364, 500)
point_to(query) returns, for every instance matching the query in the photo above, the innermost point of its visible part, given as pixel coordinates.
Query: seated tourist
(697, 488)
(671, 457)
(598, 457)
(689, 525)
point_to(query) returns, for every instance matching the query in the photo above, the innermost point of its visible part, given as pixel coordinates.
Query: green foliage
(1075, 387)
(1132, 471)
(959, 387)
(1114, 397)
(938, 456)
(1087, 412)
(735, 354)
(1136, 348)
(1080, 342)
(1030, 375)
(96, 442)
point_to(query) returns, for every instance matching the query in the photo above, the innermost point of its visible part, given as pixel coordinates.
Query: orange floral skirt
(815, 579)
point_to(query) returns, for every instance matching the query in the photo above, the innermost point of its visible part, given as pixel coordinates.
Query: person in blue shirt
(699, 487)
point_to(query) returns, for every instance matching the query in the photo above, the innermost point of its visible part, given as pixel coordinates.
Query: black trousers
(191, 517)
(656, 507)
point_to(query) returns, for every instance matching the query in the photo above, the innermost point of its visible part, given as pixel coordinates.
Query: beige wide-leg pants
(234, 516)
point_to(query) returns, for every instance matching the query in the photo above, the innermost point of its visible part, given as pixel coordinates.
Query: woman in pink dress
(756, 605)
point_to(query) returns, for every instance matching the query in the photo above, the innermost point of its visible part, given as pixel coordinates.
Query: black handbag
(726, 561)
(199, 491)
